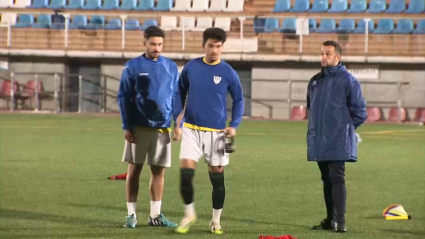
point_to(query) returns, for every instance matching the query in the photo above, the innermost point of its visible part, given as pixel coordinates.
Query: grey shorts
(198, 143)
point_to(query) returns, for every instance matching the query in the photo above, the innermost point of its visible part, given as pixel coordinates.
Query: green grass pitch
(53, 171)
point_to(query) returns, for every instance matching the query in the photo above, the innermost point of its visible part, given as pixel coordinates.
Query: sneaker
(161, 221)
(325, 225)
(131, 221)
(185, 224)
(216, 228)
(341, 227)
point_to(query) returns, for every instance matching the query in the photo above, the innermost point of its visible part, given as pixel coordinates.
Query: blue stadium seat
(78, 22)
(404, 26)
(385, 26)
(420, 28)
(25, 20)
(357, 6)
(148, 23)
(326, 26)
(163, 5)
(288, 25)
(312, 24)
(346, 26)
(282, 6)
(128, 5)
(396, 6)
(109, 5)
(259, 24)
(339, 6)
(75, 4)
(56, 4)
(132, 24)
(113, 24)
(145, 5)
(416, 6)
(320, 6)
(43, 21)
(39, 4)
(301, 6)
(91, 5)
(361, 27)
(377, 6)
(271, 25)
(96, 22)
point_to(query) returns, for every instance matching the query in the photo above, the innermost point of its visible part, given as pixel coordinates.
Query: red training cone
(118, 177)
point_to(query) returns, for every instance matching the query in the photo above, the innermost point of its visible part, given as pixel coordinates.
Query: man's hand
(128, 136)
(177, 134)
(230, 132)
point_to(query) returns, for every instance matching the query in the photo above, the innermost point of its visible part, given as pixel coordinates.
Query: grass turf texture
(53, 171)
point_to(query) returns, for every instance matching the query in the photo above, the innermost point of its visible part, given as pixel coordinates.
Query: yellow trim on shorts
(160, 130)
(192, 126)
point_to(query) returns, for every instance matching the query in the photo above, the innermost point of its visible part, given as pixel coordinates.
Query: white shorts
(153, 145)
(198, 143)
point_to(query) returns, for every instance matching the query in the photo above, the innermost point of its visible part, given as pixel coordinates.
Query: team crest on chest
(217, 79)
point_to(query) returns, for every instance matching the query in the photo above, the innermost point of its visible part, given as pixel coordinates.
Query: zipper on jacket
(320, 113)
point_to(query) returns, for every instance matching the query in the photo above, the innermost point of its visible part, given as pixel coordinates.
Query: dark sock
(219, 192)
(186, 186)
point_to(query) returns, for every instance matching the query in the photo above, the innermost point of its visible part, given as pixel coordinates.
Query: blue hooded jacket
(336, 109)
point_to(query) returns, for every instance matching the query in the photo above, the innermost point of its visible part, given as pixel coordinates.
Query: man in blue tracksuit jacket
(336, 109)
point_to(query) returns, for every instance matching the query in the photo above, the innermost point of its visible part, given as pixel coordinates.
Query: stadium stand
(320, 6)
(21, 3)
(203, 23)
(199, 6)
(91, 5)
(145, 5)
(217, 5)
(109, 5)
(75, 4)
(147, 23)
(128, 5)
(39, 4)
(393, 115)
(56, 4)
(374, 114)
(78, 22)
(43, 21)
(282, 6)
(234, 6)
(396, 6)
(181, 5)
(357, 6)
(416, 6)
(24, 21)
(339, 6)
(6, 3)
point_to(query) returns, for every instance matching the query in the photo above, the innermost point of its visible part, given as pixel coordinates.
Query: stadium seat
(181, 5)
(259, 24)
(187, 22)
(357, 6)
(6, 3)
(223, 23)
(147, 23)
(416, 6)
(168, 23)
(127, 5)
(361, 27)
(96, 22)
(272, 24)
(163, 5)
(319, 6)
(282, 6)
(385, 26)
(346, 26)
(394, 113)
(25, 20)
(299, 113)
(312, 24)
(30, 90)
(38, 4)
(203, 23)
(234, 6)
(339, 6)
(6, 17)
(377, 6)
(113, 24)
(404, 26)
(326, 26)
(199, 6)
(301, 6)
(43, 21)
(373, 114)
(75, 4)
(145, 5)
(22, 3)
(6, 86)
(78, 22)
(109, 5)
(132, 24)
(217, 6)
(420, 115)
(56, 4)
(420, 27)
(288, 25)
(91, 5)
(396, 6)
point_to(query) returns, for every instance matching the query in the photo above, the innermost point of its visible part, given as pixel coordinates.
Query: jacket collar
(331, 70)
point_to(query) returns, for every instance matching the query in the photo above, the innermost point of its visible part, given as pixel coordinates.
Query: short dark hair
(335, 44)
(153, 31)
(214, 33)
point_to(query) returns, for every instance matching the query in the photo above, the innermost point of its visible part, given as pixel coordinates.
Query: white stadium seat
(223, 23)
(5, 18)
(6, 3)
(188, 22)
(235, 6)
(181, 5)
(217, 6)
(203, 23)
(168, 23)
(199, 6)
(22, 3)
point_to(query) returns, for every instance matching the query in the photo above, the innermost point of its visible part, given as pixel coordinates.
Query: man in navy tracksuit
(336, 109)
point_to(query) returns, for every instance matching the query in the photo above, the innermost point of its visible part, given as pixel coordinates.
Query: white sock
(216, 215)
(131, 208)
(189, 209)
(155, 208)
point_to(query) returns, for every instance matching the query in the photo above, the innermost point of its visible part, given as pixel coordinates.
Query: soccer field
(53, 171)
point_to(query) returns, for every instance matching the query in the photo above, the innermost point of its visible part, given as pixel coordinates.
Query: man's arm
(181, 89)
(125, 94)
(356, 103)
(235, 90)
